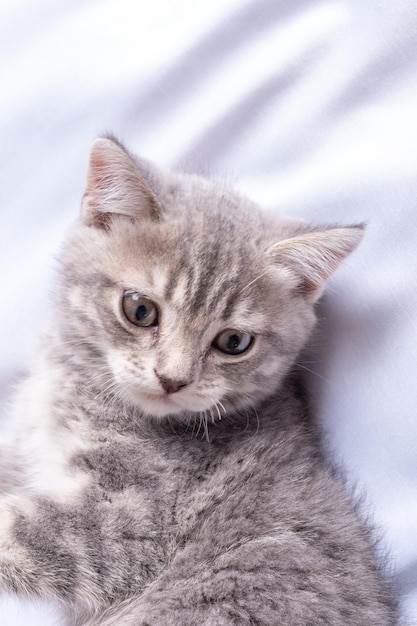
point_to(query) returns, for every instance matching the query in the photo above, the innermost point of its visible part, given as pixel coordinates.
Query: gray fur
(211, 504)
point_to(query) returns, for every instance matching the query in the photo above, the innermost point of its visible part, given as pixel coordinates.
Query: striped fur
(162, 481)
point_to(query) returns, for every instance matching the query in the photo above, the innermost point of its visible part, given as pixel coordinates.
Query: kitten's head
(179, 295)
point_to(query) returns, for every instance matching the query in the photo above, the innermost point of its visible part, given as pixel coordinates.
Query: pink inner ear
(96, 164)
(107, 163)
(314, 256)
(98, 176)
(115, 187)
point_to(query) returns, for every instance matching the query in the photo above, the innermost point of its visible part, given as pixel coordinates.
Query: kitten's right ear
(314, 256)
(115, 186)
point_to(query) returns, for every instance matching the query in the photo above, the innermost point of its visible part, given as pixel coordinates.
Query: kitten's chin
(157, 405)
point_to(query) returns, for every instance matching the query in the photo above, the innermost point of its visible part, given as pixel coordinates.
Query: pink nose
(170, 385)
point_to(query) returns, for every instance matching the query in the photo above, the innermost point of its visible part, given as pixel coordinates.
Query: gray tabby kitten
(165, 470)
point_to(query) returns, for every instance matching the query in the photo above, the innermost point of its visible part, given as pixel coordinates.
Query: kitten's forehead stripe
(232, 297)
(208, 280)
(175, 270)
(206, 277)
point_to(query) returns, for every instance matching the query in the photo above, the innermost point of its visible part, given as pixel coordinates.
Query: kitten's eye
(139, 310)
(232, 341)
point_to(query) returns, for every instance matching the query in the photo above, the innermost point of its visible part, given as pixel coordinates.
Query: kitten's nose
(171, 385)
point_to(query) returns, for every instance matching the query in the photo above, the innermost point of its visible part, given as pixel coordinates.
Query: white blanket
(309, 107)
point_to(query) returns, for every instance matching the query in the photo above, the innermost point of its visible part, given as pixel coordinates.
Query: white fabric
(307, 106)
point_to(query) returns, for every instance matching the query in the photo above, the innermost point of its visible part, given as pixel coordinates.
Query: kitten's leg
(88, 552)
(39, 565)
(44, 553)
(265, 581)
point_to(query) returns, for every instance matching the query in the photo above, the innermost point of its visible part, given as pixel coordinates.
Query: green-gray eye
(232, 341)
(139, 310)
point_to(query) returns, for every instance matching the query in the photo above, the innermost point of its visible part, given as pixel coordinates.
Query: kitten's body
(163, 481)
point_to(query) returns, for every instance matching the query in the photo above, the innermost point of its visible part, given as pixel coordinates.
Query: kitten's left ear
(115, 186)
(314, 256)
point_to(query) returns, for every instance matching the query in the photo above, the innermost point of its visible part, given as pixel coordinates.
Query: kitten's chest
(172, 481)
(152, 497)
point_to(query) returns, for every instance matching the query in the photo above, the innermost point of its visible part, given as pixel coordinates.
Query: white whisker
(199, 423)
(206, 426)
(217, 409)
(312, 372)
(222, 406)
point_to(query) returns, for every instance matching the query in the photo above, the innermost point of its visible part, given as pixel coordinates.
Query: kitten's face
(184, 322)
(182, 305)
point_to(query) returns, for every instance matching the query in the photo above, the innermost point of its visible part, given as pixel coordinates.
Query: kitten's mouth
(158, 404)
(163, 404)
